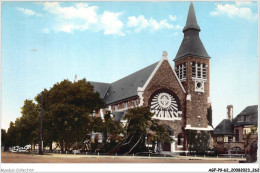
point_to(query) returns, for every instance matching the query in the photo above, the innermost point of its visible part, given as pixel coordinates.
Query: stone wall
(197, 107)
(164, 78)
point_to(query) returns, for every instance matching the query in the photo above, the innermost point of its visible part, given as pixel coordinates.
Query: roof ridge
(135, 72)
(99, 82)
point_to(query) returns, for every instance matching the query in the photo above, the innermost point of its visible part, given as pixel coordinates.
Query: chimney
(230, 112)
(76, 78)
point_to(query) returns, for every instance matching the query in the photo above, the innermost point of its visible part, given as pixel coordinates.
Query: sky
(43, 43)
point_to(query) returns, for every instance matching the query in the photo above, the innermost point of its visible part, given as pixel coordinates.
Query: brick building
(237, 135)
(179, 95)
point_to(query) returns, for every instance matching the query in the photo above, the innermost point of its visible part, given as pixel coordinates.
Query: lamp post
(41, 140)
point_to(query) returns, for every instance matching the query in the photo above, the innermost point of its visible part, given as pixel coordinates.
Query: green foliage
(25, 129)
(198, 141)
(67, 109)
(3, 137)
(11, 135)
(161, 133)
(138, 120)
(139, 125)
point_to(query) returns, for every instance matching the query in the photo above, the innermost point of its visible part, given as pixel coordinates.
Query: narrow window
(135, 103)
(184, 71)
(237, 135)
(230, 139)
(180, 71)
(204, 73)
(193, 69)
(177, 71)
(125, 105)
(198, 70)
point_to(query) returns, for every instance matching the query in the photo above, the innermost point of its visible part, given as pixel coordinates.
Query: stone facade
(179, 102)
(197, 107)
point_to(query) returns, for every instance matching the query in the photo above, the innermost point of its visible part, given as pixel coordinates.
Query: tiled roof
(123, 88)
(127, 86)
(100, 87)
(225, 127)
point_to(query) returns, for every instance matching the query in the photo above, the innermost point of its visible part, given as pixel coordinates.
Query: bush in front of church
(198, 141)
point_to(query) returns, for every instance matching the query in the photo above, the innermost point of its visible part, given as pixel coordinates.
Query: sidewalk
(71, 158)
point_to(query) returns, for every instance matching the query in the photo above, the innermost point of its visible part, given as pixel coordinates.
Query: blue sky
(46, 42)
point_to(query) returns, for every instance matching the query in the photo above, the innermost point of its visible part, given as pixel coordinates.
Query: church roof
(101, 88)
(191, 44)
(127, 87)
(124, 88)
(225, 127)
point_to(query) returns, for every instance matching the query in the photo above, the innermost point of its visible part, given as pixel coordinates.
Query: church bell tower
(192, 64)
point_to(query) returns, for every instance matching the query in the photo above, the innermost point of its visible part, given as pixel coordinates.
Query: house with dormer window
(237, 135)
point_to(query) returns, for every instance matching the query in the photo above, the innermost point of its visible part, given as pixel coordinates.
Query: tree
(11, 136)
(25, 129)
(198, 141)
(112, 132)
(139, 123)
(161, 133)
(3, 137)
(67, 111)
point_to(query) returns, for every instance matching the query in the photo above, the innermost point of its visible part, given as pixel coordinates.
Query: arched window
(236, 150)
(237, 135)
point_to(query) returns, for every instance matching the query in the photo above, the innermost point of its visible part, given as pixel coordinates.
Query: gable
(163, 77)
(164, 71)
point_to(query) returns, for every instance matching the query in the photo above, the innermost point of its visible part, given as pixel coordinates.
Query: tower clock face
(164, 106)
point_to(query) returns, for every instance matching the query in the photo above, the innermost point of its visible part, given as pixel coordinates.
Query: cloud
(173, 18)
(111, 24)
(28, 12)
(82, 17)
(233, 10)
(140, 23)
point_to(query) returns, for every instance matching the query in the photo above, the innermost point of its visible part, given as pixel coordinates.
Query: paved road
(7, 157)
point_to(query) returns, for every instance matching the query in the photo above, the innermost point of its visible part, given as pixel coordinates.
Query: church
(178, 95)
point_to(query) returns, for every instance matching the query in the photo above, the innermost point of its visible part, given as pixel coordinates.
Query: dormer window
(240, 119)
(248, 118)
(181, 71)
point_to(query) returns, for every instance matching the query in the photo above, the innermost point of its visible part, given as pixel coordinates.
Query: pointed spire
(191, 22)
(191, 44)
